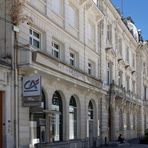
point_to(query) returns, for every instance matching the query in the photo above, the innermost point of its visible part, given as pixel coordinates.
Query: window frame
(54, 49)
(73, 22)
(72, 60)
(74, 113)
(90, 68)
(32, 37)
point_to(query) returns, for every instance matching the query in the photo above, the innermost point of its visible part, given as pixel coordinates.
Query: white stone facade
(82, 49)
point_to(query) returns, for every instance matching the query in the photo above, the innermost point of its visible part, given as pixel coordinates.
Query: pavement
(131, 144)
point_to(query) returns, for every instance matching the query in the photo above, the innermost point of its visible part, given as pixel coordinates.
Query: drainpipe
(15, 76)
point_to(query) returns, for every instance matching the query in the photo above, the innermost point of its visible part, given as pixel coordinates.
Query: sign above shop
(31, 86)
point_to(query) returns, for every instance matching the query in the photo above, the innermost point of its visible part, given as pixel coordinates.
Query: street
(129, 146)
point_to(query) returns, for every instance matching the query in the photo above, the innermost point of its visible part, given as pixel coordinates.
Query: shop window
(38, 123)
(72, 118)
(57, 125)
(90, 111)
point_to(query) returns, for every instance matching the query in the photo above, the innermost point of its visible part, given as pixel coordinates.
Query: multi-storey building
(142, 72)
(76, 74)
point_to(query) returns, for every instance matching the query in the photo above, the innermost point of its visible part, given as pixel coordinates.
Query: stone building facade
(87, 60)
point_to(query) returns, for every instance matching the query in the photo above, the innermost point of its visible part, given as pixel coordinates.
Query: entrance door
(1, 120)
(90, 133)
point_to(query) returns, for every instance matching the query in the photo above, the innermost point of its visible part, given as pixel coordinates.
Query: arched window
(38, 122)
(57, 125)
(90, 111)
(72, 118)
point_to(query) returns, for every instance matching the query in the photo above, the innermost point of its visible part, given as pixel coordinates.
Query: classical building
(76, 68)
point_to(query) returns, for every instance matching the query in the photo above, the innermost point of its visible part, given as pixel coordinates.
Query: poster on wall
(32, 86)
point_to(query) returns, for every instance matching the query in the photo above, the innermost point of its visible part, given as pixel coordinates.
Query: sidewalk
(134, 143)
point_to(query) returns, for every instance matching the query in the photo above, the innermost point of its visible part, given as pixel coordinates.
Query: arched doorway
(57, 125)
(72, 118)
(90, 129)
(38, 122)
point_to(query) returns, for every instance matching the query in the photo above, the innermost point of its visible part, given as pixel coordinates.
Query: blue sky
(138, 10)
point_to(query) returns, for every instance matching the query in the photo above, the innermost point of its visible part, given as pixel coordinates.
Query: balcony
(92, 7)
(122, 93)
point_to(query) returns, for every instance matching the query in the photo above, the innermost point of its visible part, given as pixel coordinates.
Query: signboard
(31, 104)
(31, 86)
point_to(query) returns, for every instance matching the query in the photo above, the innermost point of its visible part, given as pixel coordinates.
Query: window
(73, 16)
(128, 121)
(120, 46)
(55, 49)
(109, 33)
(57, 125)
(144, 68)
(90, 68)
(38, 123)
(134, 122)
(127, 83)
(90, 119)
(90, 31)
(134, 85)
(72, 59)
(120, 120)
(57, 6)
(127, 54)
(109, 73)
(116, 39)
(133, 60)
(90, 111)
(145, 92)
(120, 78)
(72, 118)
(35, 38)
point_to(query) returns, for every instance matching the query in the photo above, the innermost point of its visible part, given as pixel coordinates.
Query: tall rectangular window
(109, 73)
(72, 59)
(127, 83)
(90, 31)
(73, 16)
(90, 68)
(34, 38)
(133, 60)
(145, 92)
(127, 54)
(109, 33)
(120, 46)
(120, 78)
(134, 87)
(55, 49)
